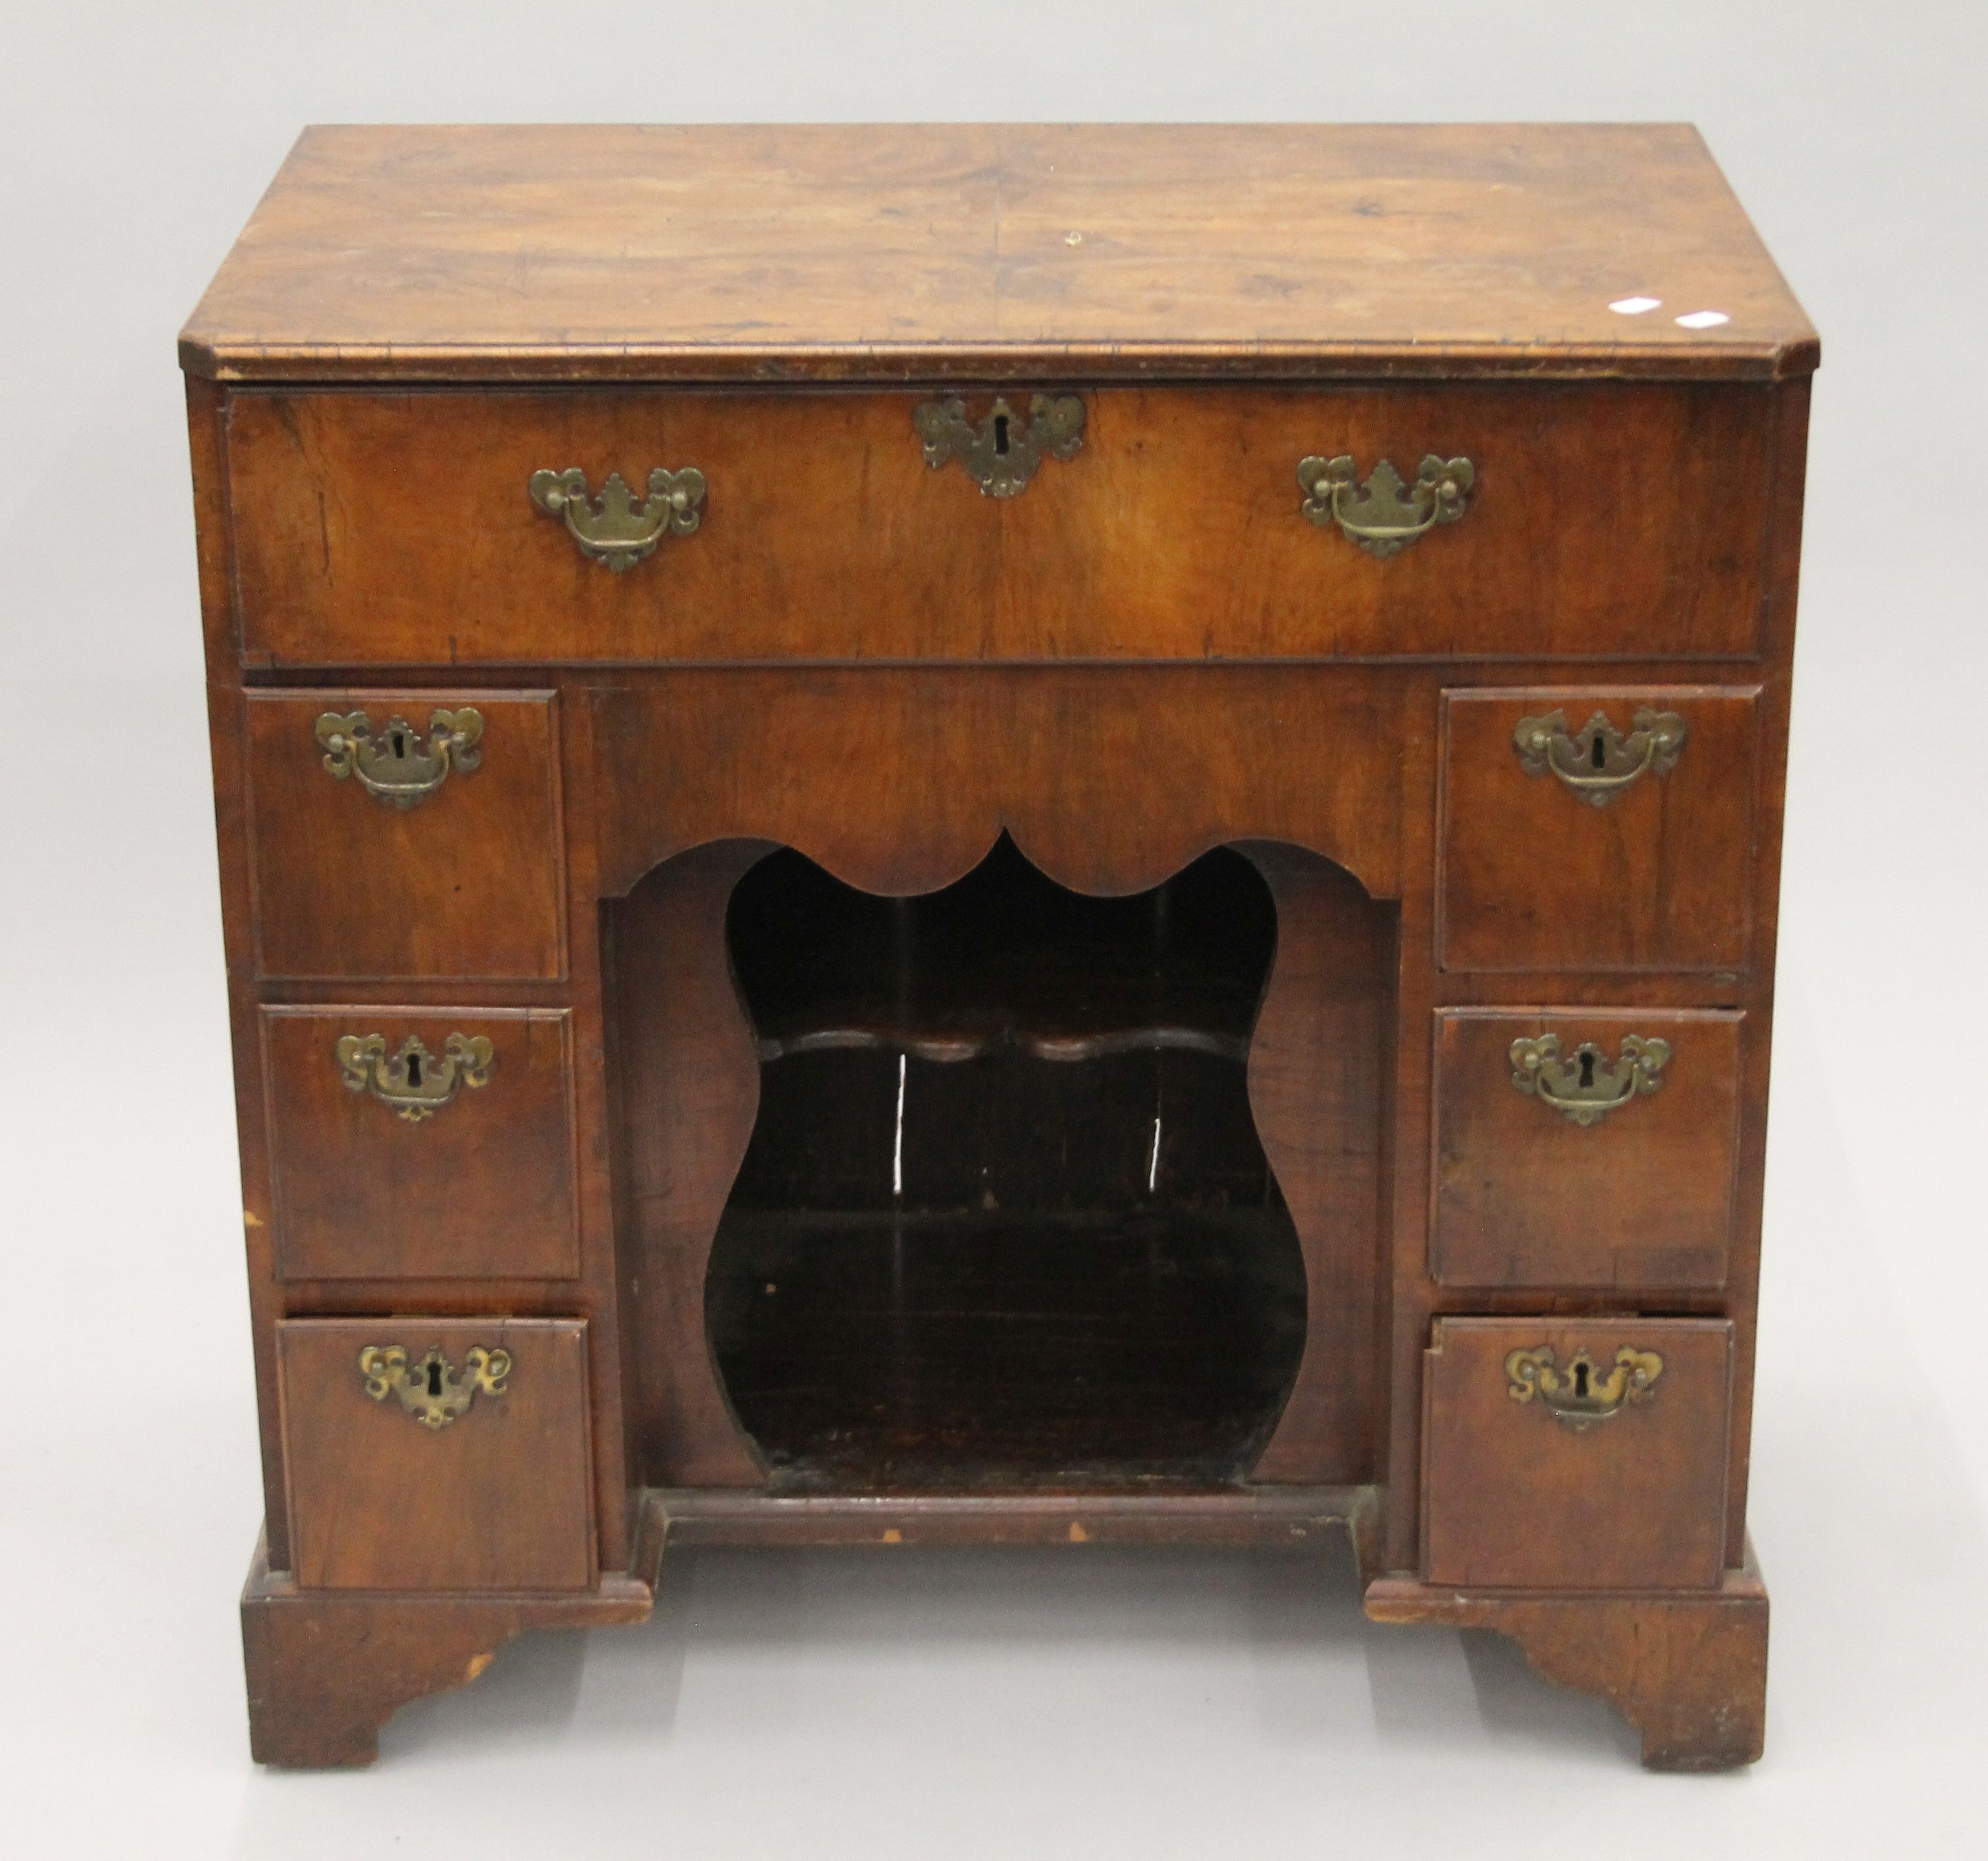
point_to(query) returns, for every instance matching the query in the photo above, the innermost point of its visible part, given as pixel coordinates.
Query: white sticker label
(1703, 319)
(1635, 306)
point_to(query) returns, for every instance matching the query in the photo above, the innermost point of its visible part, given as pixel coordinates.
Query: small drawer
(1584, 1147)
(406, 833)
(1591, 829)
(1602, 521)
(421, 1143)
(1587, 1456)
(437, 1454)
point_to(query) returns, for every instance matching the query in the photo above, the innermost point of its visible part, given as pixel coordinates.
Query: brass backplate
(430, 1389)
(1583, 1393)
(414, 1082)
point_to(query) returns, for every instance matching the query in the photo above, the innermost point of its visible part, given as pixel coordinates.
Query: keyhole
(1001, 436)
(414, 1070)
(400, 743)
(1580, 1379)
(1587, 1069)
(1597, 756)
(434, 1378)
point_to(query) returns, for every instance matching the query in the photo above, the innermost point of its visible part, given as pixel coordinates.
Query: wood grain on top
(853, 253)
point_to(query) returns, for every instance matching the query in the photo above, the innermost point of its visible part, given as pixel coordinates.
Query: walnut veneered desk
(1004, 836)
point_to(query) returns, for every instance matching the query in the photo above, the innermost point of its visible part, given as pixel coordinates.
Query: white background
(970, 1704)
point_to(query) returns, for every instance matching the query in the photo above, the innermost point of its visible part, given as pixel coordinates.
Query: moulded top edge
(712, 365)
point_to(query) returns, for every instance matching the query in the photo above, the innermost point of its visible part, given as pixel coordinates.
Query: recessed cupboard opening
(1003, 1220)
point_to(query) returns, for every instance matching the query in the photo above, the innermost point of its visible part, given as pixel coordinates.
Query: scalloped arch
(900, 780)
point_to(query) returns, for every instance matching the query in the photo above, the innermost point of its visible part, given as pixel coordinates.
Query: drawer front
(1585, 827)
(496, 1495)
(425, 843)
(1602, 521)
(1584, 1147)
(1578, 1485)
(421, 1143)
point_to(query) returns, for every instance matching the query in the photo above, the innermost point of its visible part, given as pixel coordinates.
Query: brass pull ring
(412, 1082)
(1001, 451)
(401, 766)
(1582, 1394)
(1598, 762)
(613, 529)
(1384, 516)
(431, 1389)
(1586, 1085)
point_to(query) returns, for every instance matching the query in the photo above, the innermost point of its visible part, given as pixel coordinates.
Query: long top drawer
(1594, 522)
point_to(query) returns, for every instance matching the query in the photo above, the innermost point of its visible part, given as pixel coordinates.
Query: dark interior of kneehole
(1004, 1221)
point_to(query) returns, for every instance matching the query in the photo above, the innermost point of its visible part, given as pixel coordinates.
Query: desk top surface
(851, 253)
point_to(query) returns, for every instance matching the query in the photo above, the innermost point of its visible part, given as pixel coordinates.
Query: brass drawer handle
(413, 1082)
(1586, 1085)
(613, 529)
(1001, 451)
(431, 1389)
(401, 764)
(1582, 1394)
(1598, 762)
(1384, 516)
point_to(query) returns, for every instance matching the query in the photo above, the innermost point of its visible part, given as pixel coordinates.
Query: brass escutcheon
(401, 766)
(1384, 516)
(1586, 1085)
(1582, 1394)
(431, 1389)
(613, 529)
(412, 1081)
(1597, 762)
(1001, 451)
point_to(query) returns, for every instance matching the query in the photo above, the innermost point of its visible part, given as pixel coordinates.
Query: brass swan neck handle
(1597, 762)
(1586, 1084)
(400, 764)
(1385, 514)
(613, 529)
